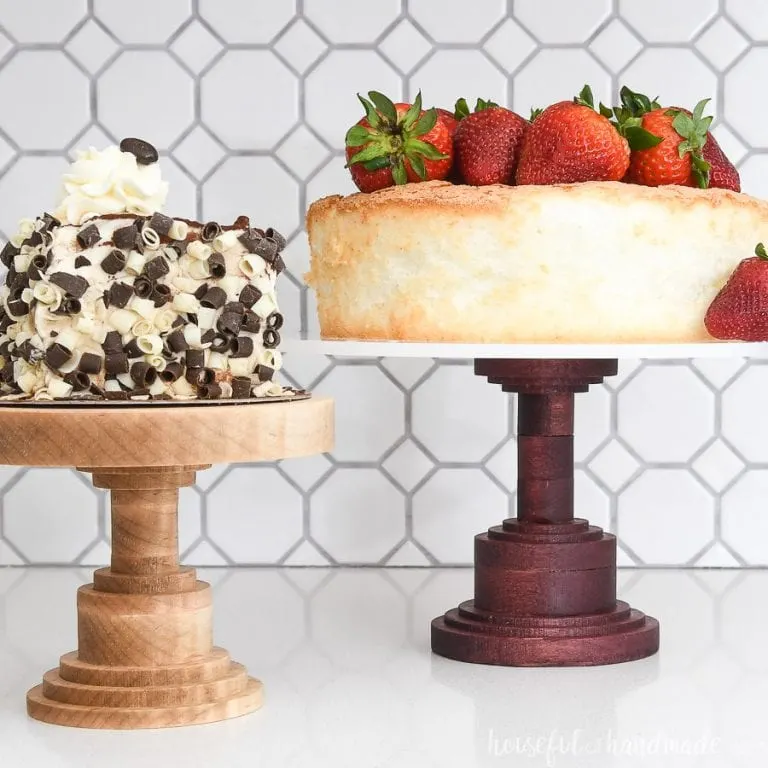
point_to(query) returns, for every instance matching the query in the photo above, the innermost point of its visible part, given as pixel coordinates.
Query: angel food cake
(582, 224)
(109, 298)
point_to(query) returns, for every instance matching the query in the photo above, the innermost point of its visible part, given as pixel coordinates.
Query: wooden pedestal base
(545, 583)
(145, 655)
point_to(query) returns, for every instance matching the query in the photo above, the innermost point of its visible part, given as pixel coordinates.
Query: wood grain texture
(164, 436)
(545, 582)
(145, 655)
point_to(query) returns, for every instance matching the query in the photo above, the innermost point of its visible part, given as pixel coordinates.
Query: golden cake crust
(592, 262)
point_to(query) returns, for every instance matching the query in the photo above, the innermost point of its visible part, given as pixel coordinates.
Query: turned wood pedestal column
(545, 581)
(146, 656)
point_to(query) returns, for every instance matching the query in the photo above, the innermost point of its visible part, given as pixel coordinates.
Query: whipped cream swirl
(110, 181)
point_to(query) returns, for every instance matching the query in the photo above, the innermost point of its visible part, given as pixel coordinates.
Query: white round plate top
(525, 351)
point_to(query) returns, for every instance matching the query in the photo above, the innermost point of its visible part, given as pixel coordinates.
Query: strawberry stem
(760, 251)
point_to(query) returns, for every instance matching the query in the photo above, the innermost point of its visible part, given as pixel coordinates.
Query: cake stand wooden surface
(545, 581)
(145, 656)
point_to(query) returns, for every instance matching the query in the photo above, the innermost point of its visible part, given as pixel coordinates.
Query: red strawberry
(740, 309)
(487, 145)
(570, 142)
(722, 173)
(397, 143)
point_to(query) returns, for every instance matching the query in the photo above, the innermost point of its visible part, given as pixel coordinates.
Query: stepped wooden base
(545, 583)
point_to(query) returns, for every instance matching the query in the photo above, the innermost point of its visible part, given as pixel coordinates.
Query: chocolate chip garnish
(251, 323)
(116, 363)
(241, 222)
(250, 295)
(112, 343)
(250, 239)
(82, 261)
(142, 286)
(214, 298)
(119, 294)
(143, 151)
(242, 346)
(217, 266)
(271, 339)
(89, 363)
(195, 358)
(143, 374)
(9, 252)
(88, 236)
(209, 231)
(241, 387)
(156, 268)
(161, 294)
(78, 380)
(273, 234)
(56, 355)
(264, 372)
(274, 321)
(161, 223)
(125, 237)
(73, 285)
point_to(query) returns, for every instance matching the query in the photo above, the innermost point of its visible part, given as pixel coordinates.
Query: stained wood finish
(145, 656)
(545, 582)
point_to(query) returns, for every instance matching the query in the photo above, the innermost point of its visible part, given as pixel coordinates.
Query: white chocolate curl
(185, 302)
(151, 344)
(110, 181)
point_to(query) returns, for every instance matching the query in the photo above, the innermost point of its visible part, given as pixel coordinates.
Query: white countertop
(350, 680)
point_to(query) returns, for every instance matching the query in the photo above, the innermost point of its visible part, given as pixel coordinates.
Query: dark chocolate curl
(112, 343)
(33, 240)
(69, 306)
(18, 308)
(78, 380)
(155, 268)
(264, 372)
(278, 264)
(201, 291)
(89, 363)
(217, 266)
(195, 358)
(241, 387)
(113, 262)
(210, 231)
(88, 236)
(250, 239)
(115, 363)
(250, 295)
(251, 323)
(210, 391)
(172, 371)
(143, 151)
(49, 222)
(205, 376)
(274, 321)
(214, 298)
(7, 255)
(271, 339)
(176, 341)
(73, 285)
(142, 287)
(267, 249)
(82, 261)
(242, 346)
(115, 395)
(39, 264)
(208, 336)
(119, 295)
(161, 294)
(221, 343)
(125, 237)
(56, 355)
(143, 374)
(161, 223)
(273, 234)
(132, 349)
(230, 323)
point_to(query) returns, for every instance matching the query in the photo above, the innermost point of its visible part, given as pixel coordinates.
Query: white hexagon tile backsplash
(248, 101)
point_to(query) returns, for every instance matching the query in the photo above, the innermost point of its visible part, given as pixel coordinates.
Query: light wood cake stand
(145, 656)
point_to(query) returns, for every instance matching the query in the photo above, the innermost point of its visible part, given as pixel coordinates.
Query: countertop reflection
(350, 680)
